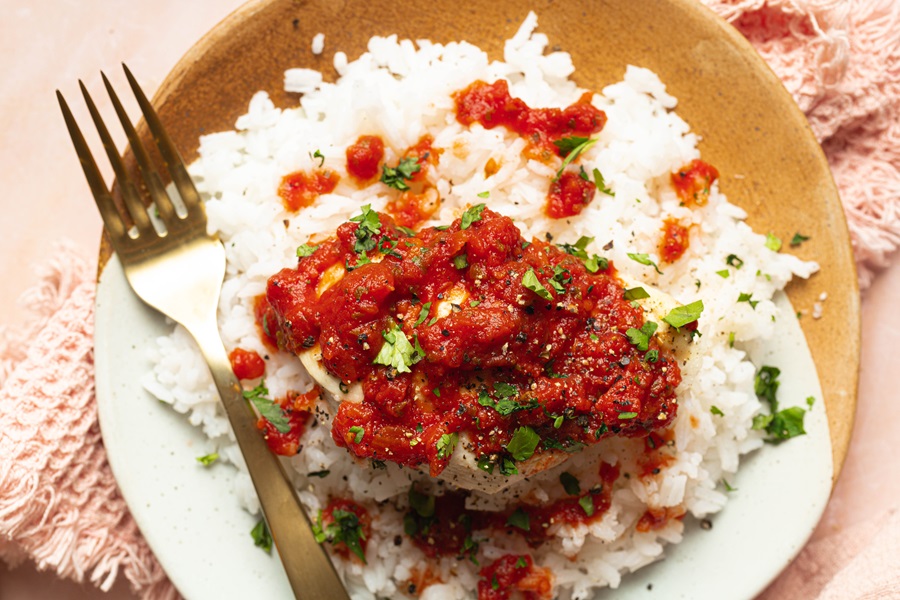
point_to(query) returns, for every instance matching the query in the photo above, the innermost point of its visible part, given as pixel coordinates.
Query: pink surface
(46, 45)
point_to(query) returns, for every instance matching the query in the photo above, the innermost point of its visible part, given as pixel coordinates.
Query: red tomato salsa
(246, 364)
(515, 574)
(693, 181)
(364, 157)
(297, 409)
(490, 104)
(675, 241)
(300, 189)
(469, 329)
(569, 195)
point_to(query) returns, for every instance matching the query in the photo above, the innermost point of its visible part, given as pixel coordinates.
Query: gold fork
(179, 273)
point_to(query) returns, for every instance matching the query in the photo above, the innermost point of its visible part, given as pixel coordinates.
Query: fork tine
(132, 201)
(183, 183)
(151, 177)
(102, 197)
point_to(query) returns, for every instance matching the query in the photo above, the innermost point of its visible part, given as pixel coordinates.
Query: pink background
(47, 44)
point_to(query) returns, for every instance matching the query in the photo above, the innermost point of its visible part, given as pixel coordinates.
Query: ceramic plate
(751, 131)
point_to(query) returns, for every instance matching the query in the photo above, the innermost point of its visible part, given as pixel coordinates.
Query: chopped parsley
(744, 297)
(798, 239)
(625, 416)
(397, 352)
(446, 445)
(345, 528)
(471, 215)
(587, 504)
(601, 184)
(423, 314)
(724, 273)
(396, 177)
(305, 250)
(716, 410)
(636, 293)
(208, 459)
(484, 194)
(733, 260)
(570, 483)
(592, 263)
(783, 424)
(262, 538)
(571, 148)
(268, 409)
(644, 259)
(773, 242)
(680, 316)
(358, 433)
(519, 518)
(369, 227)
(523, 443)
(531, 282)
(461, 261)
(640, 338)
(320, 156)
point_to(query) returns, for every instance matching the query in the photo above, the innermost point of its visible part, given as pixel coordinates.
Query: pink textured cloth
(59, 505)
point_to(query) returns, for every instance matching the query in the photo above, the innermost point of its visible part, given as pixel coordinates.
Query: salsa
(470, 334)
(364, 157)
(569, 195)
(246, 364)
(515, 573)
(693, 181)
(297, 408)
(491, 105)
(674, 242)
(300, 189)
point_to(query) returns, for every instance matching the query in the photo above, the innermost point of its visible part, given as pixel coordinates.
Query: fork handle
(310, 572)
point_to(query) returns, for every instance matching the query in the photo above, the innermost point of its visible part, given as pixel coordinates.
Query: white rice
(642, 143)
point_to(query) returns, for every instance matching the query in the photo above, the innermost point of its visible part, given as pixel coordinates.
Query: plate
(727, 95)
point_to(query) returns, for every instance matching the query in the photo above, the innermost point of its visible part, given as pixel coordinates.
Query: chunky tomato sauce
(246, 364)
(411, 207)
(502, 337)
(298, 409)
(300, 189)
(491, 105)
(693, 181)
(674, 242)
(569, 195)
(517, 575)
(364, 157)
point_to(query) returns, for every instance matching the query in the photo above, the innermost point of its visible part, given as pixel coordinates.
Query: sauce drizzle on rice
(470, 328)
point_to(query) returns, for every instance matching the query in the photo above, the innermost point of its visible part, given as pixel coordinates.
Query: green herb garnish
(571, 148)
(396, 177)
(471, 215)
(519, 518)
(397, 352)
(680, 316)
(773, 242)
(446, 444)
(345, 528)
(640, 338)
(644, 259)
(208, 459)
(261, 536)
(798, 239)
(268, 409)
(305, 250)
(369, 227)
(570, 483)
(523, 443)
(531, 282)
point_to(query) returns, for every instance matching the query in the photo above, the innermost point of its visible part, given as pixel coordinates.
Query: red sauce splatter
(513, 573)
(246, 364)
(675, 241)
(491, 105)
(300, 189)
(365, 523)
(265, 322)
(568, 355)
(657, 518)
(364, 157)
(414, 206)
(693, 181)
(569, 195)
(297, 408)
(657, 453)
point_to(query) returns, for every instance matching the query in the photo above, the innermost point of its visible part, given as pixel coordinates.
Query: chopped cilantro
(728, 487)
(627, 415)
(423, 314)
(208, 459)
(680, 316)
(531, 282)
(345, 528)
(781, 425)
(461, 261)
(262, 538)
(446, 445)
(423, 504)
(305, 250)
(773, 242)
(523, 443)
(484, 194)
(744, 297)
(570, 483)
(640, 338)
(724, 273)
(601, 184)
(369, 227)
(810, 400)
(732, 260)
(519, 518)
(636, 293)
(268, 409)
(358, 433)
(652, 356)
(587, 504)
(798, 239)
(521, 563)
(396, 177)
(320, 156)
(397, 352)
(471, 215)
(644, 259)
(716, 410)
(485, 463)
(571, 148)
(731, 339)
